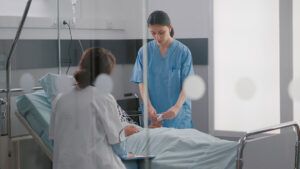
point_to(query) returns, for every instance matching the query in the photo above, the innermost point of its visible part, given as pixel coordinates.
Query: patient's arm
(132, 129)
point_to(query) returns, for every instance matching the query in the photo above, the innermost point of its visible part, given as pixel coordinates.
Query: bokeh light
(104, 83)
(245, 88)
(27, 82)
(194, 87)
(294, 89)
(64, 83)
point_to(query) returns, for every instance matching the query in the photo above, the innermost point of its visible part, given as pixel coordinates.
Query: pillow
(53, 84)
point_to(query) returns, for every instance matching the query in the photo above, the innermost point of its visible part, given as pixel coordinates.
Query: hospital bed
(35, 116)
(173, 148)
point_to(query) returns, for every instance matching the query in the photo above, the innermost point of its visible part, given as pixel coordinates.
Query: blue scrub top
(166, 75)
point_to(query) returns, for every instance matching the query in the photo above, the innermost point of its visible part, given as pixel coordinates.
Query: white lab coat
(83, 126)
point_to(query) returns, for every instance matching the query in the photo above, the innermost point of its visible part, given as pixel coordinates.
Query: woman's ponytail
(82, 78)
(94, 62)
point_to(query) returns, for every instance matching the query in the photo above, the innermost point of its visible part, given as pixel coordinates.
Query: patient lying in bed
(178, 148)
(181, 148)
(172, 148)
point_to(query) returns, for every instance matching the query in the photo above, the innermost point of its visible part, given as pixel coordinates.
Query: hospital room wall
(130, 25)
(131, 28)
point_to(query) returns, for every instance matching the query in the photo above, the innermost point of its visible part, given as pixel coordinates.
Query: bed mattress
(36, 109)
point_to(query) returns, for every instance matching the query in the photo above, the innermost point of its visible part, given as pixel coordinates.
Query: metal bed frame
(248, 136)
(35, 136)
(240, 149)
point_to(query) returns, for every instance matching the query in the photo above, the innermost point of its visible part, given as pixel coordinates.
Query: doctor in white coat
(85, 123)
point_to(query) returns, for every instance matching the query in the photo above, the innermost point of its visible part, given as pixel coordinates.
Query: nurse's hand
(152, 113)
(171, 113)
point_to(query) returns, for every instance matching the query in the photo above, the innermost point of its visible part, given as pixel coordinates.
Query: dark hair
(94, 61)
(160, 18)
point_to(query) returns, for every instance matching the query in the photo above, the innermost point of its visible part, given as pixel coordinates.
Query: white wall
(92, 17)
(191, 19)
(40, 8)
(112, 19)
(296, 54)
(41, 14)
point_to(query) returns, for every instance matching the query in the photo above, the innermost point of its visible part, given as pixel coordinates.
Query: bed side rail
(5, 129)
(19, 89)
(243, 140)
(37, 138)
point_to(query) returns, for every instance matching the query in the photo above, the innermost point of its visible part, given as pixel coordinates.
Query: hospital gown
(84, 125)
(166, 75)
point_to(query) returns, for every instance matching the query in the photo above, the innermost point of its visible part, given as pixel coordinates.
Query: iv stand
(8, 67)
(8, 78)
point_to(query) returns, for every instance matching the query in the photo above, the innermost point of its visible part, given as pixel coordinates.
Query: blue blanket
(184, 149)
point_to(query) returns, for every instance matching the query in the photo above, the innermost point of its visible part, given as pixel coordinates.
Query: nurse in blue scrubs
(169, 64)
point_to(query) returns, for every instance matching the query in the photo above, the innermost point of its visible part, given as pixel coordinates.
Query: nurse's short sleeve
(107, 114)
(187, 65)
(137, 72)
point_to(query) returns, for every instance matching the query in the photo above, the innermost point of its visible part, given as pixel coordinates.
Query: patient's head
(94, 61)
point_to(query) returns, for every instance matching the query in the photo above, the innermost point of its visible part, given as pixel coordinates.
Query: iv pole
(8, 66)
(8, 77)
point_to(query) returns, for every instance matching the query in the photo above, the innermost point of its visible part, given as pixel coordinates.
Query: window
(246, 64)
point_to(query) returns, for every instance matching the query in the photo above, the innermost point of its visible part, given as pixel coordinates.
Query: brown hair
(94, 61)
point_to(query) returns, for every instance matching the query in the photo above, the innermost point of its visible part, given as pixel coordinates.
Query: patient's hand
(155, 124)
(130, 130)
(152, 112)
